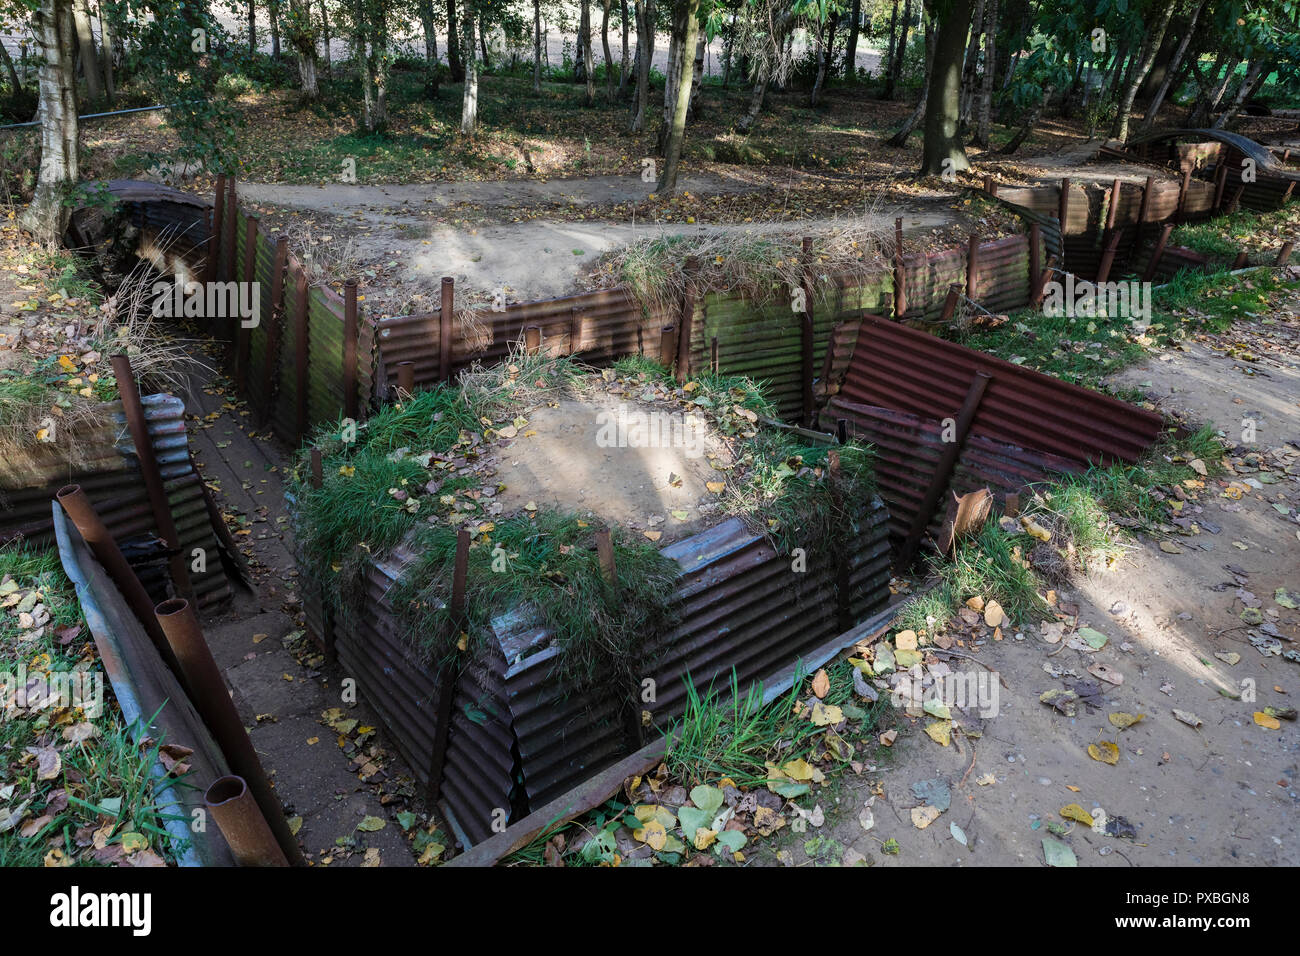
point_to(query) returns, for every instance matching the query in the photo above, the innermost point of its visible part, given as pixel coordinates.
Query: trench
(286, 660)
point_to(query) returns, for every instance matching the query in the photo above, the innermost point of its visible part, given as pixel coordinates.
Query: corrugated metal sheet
(908, 448)
(897, 367)
(104, 463)
(514, 718)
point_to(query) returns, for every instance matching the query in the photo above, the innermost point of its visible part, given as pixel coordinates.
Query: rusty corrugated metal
(514, 718)
(105, 466)
(901, 368)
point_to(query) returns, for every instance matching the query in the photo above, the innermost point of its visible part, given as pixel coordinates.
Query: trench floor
(340, 783)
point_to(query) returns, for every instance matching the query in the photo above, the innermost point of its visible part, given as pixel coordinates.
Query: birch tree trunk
(1120, 128)
(899, 139)
(469, 103)
(537, 46)
(609, 57)
(985, 112)
(1173, 70)
(46, 217)
(681, 101)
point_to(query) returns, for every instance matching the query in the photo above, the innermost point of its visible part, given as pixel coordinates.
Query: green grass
(374, 497)
(107, 779)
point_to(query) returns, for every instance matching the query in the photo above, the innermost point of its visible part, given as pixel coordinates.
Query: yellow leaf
(1076, 812)
(1105, 751)
(653, 535)
(652, 834)
(704, 838)
(826, 715)
(1123, 721)
(940, 731)
(347, 471)
(1264, 720)
(821, 683)
(716, 487)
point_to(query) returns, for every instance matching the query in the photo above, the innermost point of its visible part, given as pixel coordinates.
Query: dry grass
(80, 393)
(764, 264)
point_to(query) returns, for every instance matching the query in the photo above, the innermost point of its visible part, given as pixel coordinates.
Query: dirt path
(1184, 630)
(279, 681)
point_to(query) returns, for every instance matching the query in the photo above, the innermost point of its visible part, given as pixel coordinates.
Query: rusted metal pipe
(350, 403)
(212, 270)
(317, 468)
(1036, 294)
(682, 368)
(1035, 252)
(950, 303)
(972, 265)
(1108, 255)
(900, 277)
(211, 698)
(668, 345)
(300, 349)
(153, 483)
(943, 468)
(533, 339)
(1180, 215)
(270, 360)
(243, 334)
(1144, 210)
(1063, 206)
(1158, 252)
(448, 679)
(1284, 254)
(97, 537)
(406, 377)
(242, 824)
(605, 554)
(1240, 262)
(445, 327)
(808, 335)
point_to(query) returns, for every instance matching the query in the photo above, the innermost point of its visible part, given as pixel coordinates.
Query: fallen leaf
(1105, 751)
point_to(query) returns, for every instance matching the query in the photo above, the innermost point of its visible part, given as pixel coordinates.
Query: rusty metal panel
(107, 468)
(1002, 274)
(926, 280)
(901, 368)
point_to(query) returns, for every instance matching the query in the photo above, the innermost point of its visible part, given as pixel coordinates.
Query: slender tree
(469, 101)
(682, 98)
(1119, 129)
(47, 216)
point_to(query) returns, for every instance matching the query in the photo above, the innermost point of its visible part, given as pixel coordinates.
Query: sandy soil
(536, 259)
(571, 465)
(1223, 793)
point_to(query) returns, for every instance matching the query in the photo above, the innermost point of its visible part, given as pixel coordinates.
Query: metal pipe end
(224, 790)
(171, 607)
(68, 491)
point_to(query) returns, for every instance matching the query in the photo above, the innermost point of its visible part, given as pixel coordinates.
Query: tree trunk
(1030, 123)
(47, 217)
(887, 64)
(969, 72)
(623, 64)
(108, 46)
(1248, 83)
(430, 27)
(454, 63)
(363, 62)
(482, 44)
(682, 100)
(86, 41)
(747, 121)
(469, 103)
(698, 74)
(1116, 78)
(609, 57)
(537, 46)
(588, 62)
(851, 45)
(943, 152)
(985, 112)
(15, 84)
(1172, 71)
(896, 58)
(273, 13)
(252, 27)
(899, 139)
(826, 44)
(325, 36)
(1119, 130)
(302, 38)
(645, 46)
